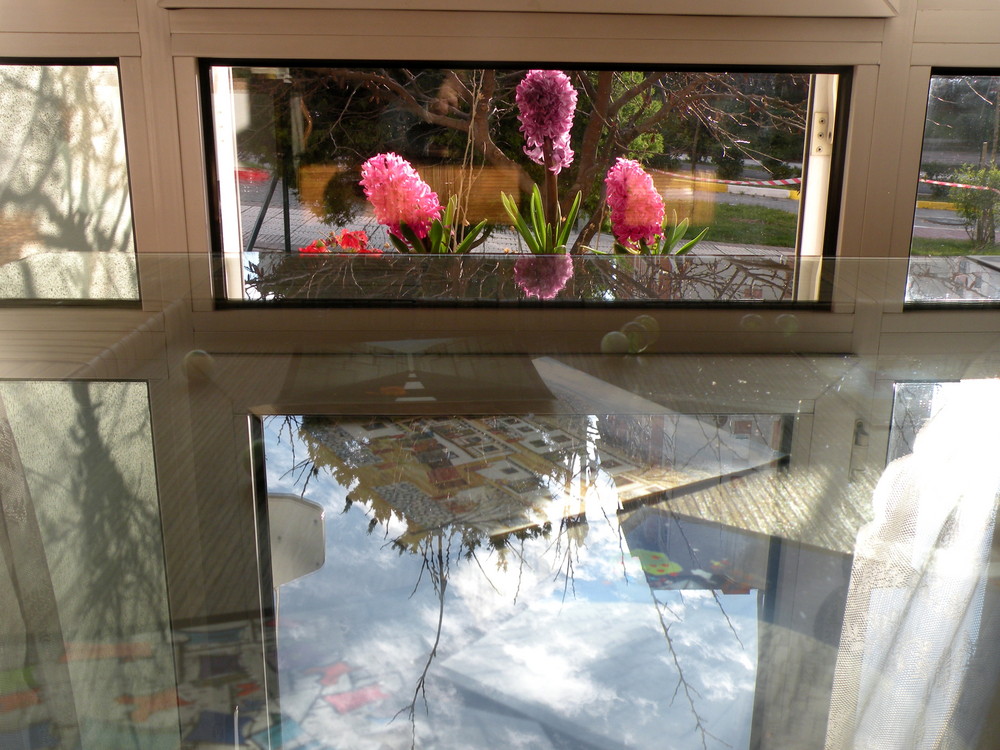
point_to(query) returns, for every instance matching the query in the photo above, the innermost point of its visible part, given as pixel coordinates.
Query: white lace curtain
(912, 624)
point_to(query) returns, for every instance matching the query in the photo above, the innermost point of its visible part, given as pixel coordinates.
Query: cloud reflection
(556, 632)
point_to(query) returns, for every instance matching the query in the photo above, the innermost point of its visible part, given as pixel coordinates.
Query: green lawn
(930, 246)
(758, 225)
(747, 225)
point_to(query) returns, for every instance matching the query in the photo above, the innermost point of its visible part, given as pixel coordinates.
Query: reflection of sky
(562, 631)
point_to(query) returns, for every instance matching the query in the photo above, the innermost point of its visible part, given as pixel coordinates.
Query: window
(745, 157)
(65, 211)
(954, 247)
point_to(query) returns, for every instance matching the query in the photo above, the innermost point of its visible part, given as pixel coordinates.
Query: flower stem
(550, 194)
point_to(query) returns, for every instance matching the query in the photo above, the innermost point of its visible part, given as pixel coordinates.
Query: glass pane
(301, 155)
(86, 656)
(65, 212)
(954, 246)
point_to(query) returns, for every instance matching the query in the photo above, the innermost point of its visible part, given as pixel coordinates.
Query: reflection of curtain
(918, 582)
(30, 634)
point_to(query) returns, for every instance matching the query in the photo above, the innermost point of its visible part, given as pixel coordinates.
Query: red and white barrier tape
(748, 183)
(959, 185)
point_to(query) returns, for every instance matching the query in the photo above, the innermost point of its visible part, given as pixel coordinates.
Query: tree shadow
(63, 181)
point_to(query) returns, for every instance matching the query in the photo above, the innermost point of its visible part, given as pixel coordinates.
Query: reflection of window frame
(818, 211)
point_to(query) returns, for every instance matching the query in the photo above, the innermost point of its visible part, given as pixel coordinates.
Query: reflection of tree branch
(437, 566)
(682, 683)
(384, 87)
(574, 528)
(621, 546)
(694, 556)
(482, 570)
(718, 601)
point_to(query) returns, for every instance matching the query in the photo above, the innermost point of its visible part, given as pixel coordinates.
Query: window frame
(825, 263)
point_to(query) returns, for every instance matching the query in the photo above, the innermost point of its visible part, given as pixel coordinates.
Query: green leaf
(450, 210)
(468, 243)
(510, 207)
(413, 239)
(688, 245)
(538, 215)
(399, 244)
(680, 229)
(519, 223)
(434, 237)
(567, 226)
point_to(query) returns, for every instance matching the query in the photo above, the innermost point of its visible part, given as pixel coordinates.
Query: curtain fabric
(915, 602)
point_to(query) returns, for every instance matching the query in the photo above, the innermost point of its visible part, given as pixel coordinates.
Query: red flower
(316, 247)
(356, 241)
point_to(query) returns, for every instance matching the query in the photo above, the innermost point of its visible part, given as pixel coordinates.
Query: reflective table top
(576, 526)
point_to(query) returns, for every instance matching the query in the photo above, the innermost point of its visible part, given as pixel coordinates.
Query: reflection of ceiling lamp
(298, 537)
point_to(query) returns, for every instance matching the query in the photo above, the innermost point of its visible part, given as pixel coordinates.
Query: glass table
(386, 527)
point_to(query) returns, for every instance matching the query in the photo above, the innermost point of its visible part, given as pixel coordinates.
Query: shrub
(730, 165)
(979, 208)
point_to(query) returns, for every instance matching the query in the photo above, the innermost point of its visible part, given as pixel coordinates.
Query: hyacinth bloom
(546, 102)
(543, 276)
(398, 195)
(636, 208)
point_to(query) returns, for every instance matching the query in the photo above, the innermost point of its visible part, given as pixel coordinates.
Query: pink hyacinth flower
(636, 208)
(543, 276)
(546, 102)
(398, 195)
